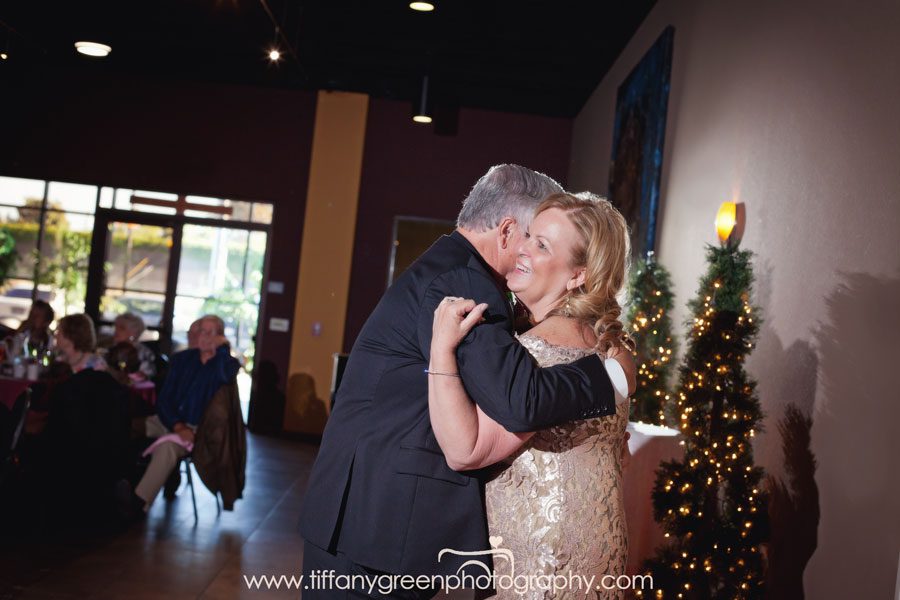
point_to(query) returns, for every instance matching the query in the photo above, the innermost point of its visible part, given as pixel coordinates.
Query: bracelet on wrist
(430, 372)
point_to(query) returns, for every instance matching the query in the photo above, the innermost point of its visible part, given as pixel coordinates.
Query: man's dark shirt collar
(476, 258)
(459, 238)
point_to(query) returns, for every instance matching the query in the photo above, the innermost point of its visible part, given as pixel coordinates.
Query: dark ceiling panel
(535, 56)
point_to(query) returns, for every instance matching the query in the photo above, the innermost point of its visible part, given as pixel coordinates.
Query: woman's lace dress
(558, 506)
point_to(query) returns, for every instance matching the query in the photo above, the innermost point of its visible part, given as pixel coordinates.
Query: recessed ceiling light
(93, 49)
(422, 119)
(274, 55)
(422, 6)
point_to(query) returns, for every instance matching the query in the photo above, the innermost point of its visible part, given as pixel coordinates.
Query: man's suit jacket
(381, 491)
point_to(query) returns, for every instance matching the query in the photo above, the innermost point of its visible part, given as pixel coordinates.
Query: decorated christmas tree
(651, 300)
(711, 505)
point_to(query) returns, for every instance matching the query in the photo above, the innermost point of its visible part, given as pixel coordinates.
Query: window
(21, 201)
(220, 271)
(66, 243)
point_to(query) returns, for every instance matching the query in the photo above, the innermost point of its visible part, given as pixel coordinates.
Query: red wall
(408, 170)
(227, 141)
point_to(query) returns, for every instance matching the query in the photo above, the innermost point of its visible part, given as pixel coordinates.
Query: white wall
(793, 107)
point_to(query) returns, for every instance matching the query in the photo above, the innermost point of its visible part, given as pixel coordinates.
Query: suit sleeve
(501, 376)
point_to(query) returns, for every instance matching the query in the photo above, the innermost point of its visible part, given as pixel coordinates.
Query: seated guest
(88, 427)
(195, 375)
(128, 329)
(76, 344)
(123, 362)
(36, 327)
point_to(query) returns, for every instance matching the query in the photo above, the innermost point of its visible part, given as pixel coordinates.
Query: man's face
(38, 318)
(206, 340)
(193, 335)
(507, 252)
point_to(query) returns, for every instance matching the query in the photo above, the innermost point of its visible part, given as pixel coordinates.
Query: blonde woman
(557, 505)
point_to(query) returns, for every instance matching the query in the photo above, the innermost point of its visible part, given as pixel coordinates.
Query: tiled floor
(169, 556)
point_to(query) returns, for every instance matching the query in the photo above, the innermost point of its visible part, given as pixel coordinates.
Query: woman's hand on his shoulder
(453, 319)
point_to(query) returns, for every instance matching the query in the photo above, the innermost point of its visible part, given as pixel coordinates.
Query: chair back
(12, 422)
(18, 413)
(160, 361)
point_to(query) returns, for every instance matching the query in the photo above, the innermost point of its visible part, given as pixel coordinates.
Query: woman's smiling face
(543, 272)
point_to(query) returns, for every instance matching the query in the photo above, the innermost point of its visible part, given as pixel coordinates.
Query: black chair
(12, 423)
(161, 362)
(188, 462)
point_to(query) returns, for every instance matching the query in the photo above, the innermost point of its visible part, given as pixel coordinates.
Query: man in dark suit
(381, 498)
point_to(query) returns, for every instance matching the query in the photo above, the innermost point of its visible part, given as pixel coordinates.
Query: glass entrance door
(170, 270)
(133, 262)
(220, 272)
(136, 268)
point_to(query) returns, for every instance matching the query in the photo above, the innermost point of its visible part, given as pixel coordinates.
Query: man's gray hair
(591, 197)
(216, 321)
(505, 191)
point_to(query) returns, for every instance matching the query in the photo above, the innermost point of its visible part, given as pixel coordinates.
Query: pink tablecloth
(10, 388)
(649, 446)
(146, 390)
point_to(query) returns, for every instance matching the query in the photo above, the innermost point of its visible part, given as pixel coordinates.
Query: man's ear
(507, 229)
(576, 281)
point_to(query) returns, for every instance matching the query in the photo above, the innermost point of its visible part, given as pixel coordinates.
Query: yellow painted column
(326, 254)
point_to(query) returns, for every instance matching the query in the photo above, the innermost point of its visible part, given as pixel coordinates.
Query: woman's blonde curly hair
(604, 250)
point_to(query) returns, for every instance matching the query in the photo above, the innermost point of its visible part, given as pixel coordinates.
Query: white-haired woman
(128, 328)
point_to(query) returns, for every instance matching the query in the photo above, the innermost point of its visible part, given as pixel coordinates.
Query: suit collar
(477, 263)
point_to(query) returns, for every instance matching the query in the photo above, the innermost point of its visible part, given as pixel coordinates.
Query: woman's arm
(469, 438)
(626, 360)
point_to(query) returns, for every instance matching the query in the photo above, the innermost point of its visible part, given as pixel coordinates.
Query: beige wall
(792, 108)
(323, 281)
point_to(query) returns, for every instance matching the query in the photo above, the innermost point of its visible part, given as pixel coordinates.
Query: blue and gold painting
(638, 137)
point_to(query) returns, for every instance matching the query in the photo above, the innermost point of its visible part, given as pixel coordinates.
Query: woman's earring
(567, 311)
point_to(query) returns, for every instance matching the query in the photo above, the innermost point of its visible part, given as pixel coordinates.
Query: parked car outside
(15, 302)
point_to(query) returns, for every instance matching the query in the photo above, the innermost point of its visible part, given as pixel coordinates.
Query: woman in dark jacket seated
(194, 376)
(88, 425)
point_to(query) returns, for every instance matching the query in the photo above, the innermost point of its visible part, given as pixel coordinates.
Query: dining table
(146, 390)
(11, 388)
(649, 446)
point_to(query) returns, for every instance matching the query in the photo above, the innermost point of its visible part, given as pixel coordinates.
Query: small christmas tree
(711, 504)
(651, 301)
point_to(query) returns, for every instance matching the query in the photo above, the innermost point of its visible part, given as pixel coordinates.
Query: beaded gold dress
(558, 506)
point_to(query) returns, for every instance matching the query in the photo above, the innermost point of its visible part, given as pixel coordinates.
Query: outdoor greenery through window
(46, 230)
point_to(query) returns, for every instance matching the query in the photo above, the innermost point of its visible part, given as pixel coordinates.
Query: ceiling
(532, 56)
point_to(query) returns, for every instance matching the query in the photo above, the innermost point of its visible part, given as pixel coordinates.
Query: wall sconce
(730, 223)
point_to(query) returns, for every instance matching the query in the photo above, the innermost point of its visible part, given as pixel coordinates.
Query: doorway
(170, 269)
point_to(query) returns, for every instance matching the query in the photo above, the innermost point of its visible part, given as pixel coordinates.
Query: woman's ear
(576, 281)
